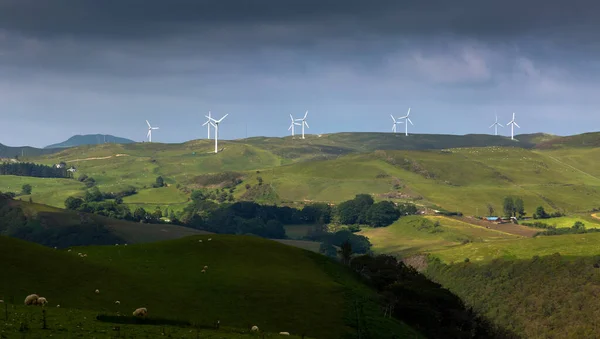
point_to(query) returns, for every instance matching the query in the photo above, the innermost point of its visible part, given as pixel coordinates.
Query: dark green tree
(383, 213)
(26, 189)
(519, 208)
(160, 182)
(509, 206)
(72, 203)
(346, 252)
(540, 213)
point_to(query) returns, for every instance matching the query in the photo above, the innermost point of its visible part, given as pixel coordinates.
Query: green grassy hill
(337, 166)
(48, 217)
(22, 151)
(249, 281)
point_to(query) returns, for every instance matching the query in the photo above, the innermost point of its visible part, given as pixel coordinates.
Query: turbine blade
(155, 127)
(225, 116)
(204, 124)
(306, 123)
(148, 124)
(305, 114)
(517, 125)
(291, 117)
(499, 124)
(394, 120)
(292, 125)
(409, 121)
(492, 125)
(407, 114)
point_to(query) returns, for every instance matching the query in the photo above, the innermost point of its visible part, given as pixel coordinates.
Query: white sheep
(205, 267)
(118, 302)
(97, 291)
(284, 333)
(203, 271)
(57, 306)
(140, 312)
(69, 250)
(254, 328)
(41, 301)
(31, 299)
(1, 301)
(209, 239)
(200, 240)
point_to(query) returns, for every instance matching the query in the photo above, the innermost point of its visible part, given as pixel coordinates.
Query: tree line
(26, 169)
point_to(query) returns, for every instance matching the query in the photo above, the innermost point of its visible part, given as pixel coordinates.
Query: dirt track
(99, 158)
(511, 228)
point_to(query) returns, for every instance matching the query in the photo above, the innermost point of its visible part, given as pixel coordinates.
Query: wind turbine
(395, 123)
(215, 124)
(496, 124)
(292, 125)
(150, 128)
(208, 123)
(406, 121)
(303, 123)
(512, 124)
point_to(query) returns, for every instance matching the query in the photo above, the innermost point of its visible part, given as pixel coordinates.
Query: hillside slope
(11, 152)
(52, 227)
(89, 139)
(249, 281)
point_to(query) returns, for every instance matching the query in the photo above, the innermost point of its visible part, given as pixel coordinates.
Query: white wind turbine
(512, 124)
(150, 128)
(496, 124)
(406, 121)
(215, 124)
(293, 125)
(303, 123)
(395, 123)
(208, 123)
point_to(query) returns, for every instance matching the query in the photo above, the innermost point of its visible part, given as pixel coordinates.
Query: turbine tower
(208, 123)
(395, 123)
(406, 121)
(496, 124)
(215, 124)
(303, 123)
(512, 124)
(150, 128)
(292, 126)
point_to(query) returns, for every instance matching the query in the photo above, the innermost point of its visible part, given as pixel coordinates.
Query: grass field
(571, 245)
(250, 281)
(339, 166)
(75, 323)
(415, 234)
(569, 221)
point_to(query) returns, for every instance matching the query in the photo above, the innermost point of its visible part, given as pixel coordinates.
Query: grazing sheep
(57, 306)
(31, 299)
(203, 271)
(41, 301)
(1, 301)
(254, 328)
(69, 250)
(205, 267)
(118, 302)
(97, 291)
(209, 239)
(200, 240)
(284, 333)
(140, 312)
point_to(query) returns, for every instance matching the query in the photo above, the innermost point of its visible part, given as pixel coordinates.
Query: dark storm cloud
(150, 19)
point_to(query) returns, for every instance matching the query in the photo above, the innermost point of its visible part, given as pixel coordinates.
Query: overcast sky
(104, 66)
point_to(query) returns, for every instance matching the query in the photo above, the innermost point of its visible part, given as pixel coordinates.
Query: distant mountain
(90, 139)
(23, 151)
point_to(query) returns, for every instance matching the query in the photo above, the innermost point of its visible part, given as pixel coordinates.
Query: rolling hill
(9, 152)
(90, 139)
(249, 281)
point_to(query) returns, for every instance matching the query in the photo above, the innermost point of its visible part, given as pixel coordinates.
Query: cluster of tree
(26, 169)
(514, 207)
(408, 295)
(542, 297)
(348, 242)
(88, 181)
(540, 213)
(220, 195)
(247, 217)
(363, 210)
(15, 223)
